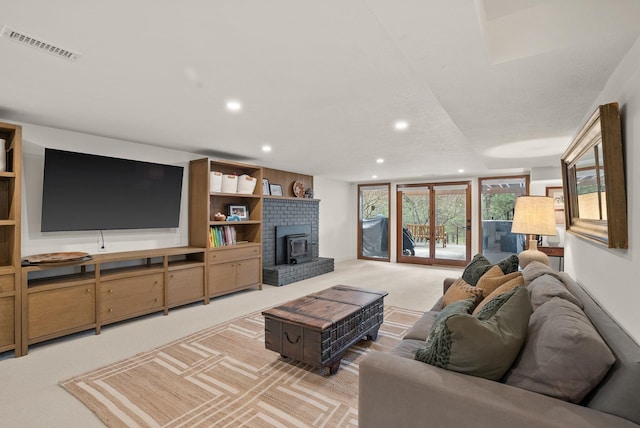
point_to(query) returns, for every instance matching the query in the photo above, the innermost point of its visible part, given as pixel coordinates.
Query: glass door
(435, 224)
(373, 221)
(497, 202)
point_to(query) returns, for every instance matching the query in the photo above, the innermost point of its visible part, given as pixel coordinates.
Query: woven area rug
(223, 376)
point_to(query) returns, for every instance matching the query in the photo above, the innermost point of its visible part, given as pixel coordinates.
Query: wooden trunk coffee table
(318, 329)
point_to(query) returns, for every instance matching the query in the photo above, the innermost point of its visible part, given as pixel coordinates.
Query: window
(373, 221)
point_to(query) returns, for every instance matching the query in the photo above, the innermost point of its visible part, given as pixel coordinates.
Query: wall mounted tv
(90, 192)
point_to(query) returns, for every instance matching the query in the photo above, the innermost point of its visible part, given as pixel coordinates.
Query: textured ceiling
(491, 87)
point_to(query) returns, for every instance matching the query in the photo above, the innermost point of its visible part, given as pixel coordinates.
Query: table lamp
(534, 215)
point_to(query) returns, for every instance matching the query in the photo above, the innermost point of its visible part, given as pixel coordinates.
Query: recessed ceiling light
(266, 148)
(374, 176)
(461, 171)
(380, 160)
(401, 125)
(234, 106)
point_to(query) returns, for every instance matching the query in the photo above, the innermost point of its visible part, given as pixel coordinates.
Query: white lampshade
(534, 215)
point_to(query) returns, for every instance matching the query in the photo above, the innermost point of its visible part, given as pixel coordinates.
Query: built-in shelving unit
(65, 298)
(10, 191)
(39, 302)
(239, 265)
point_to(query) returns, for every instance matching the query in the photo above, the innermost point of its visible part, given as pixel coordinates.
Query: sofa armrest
(399, 392)
(446, 284)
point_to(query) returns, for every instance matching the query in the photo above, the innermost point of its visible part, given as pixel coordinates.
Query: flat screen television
(91, 192)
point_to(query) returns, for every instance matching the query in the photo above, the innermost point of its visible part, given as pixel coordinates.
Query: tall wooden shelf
(230, 267)
(10, 191)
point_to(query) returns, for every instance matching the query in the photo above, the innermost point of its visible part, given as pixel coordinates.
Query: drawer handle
(286, 334)
(110, 291)
(110, 310)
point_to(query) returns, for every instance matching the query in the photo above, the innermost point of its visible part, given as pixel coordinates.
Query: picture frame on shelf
(241, 210)
(275, 189)
(557, 194)
(266, 190)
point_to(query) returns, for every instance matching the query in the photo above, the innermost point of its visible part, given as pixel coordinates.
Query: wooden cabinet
(67, 298)
(10, 191)
(235, 265)
(234, 269)
(185, 286)
(7, 321)
(131, 296)
(53, 312)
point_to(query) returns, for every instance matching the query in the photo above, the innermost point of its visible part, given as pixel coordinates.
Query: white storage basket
(229, 183)
(246, 184)
(215, 181)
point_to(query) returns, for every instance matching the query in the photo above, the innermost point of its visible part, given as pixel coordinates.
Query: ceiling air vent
(37, 43)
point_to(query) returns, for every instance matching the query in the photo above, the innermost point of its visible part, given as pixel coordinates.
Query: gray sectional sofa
(395, 390)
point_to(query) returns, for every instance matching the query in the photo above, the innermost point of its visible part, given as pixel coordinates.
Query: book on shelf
(219, 236)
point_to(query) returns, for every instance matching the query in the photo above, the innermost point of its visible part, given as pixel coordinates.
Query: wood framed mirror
(593, 180)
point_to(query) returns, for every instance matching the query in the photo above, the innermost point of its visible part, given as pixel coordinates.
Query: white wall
(337, 206)
(611, 275)
(36, 138)
(338, 217)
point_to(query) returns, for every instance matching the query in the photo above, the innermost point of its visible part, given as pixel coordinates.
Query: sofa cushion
(460, 290)
(479, 265)
(406, 348)
(421, 328)
(515, 281)
(563, 355)
(546, 287)
(535, 270)
(494, 278)
(484, 345)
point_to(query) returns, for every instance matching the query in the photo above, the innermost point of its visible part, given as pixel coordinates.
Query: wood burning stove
(302, 245)
(298, 248)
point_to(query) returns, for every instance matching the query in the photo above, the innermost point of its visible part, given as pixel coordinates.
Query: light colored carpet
(223, 376)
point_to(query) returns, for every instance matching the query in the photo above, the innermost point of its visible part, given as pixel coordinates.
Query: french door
(497, 202)
(434, 223)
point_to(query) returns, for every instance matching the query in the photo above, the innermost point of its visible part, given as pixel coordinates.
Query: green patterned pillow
(485, 345)
(460, 307)
(479, 265)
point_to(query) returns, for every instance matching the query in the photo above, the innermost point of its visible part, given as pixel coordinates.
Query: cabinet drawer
(7, 320)
(7, 283)
(185, 285)
(58, 310)
(230, 254)
(129, 296)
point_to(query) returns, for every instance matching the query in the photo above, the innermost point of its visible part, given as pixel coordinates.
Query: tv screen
(90, 192)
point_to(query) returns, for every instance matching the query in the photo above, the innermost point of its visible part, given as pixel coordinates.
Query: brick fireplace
(297, 214)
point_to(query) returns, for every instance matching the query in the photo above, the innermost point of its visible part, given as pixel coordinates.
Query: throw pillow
(460, 290)
(460, 307)
(514, 282)
(546, 287)
(563, 355)
(479, 265)
(484, 345)
(494, 278)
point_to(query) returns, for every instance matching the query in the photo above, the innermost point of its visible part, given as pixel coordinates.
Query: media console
(65, 298)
